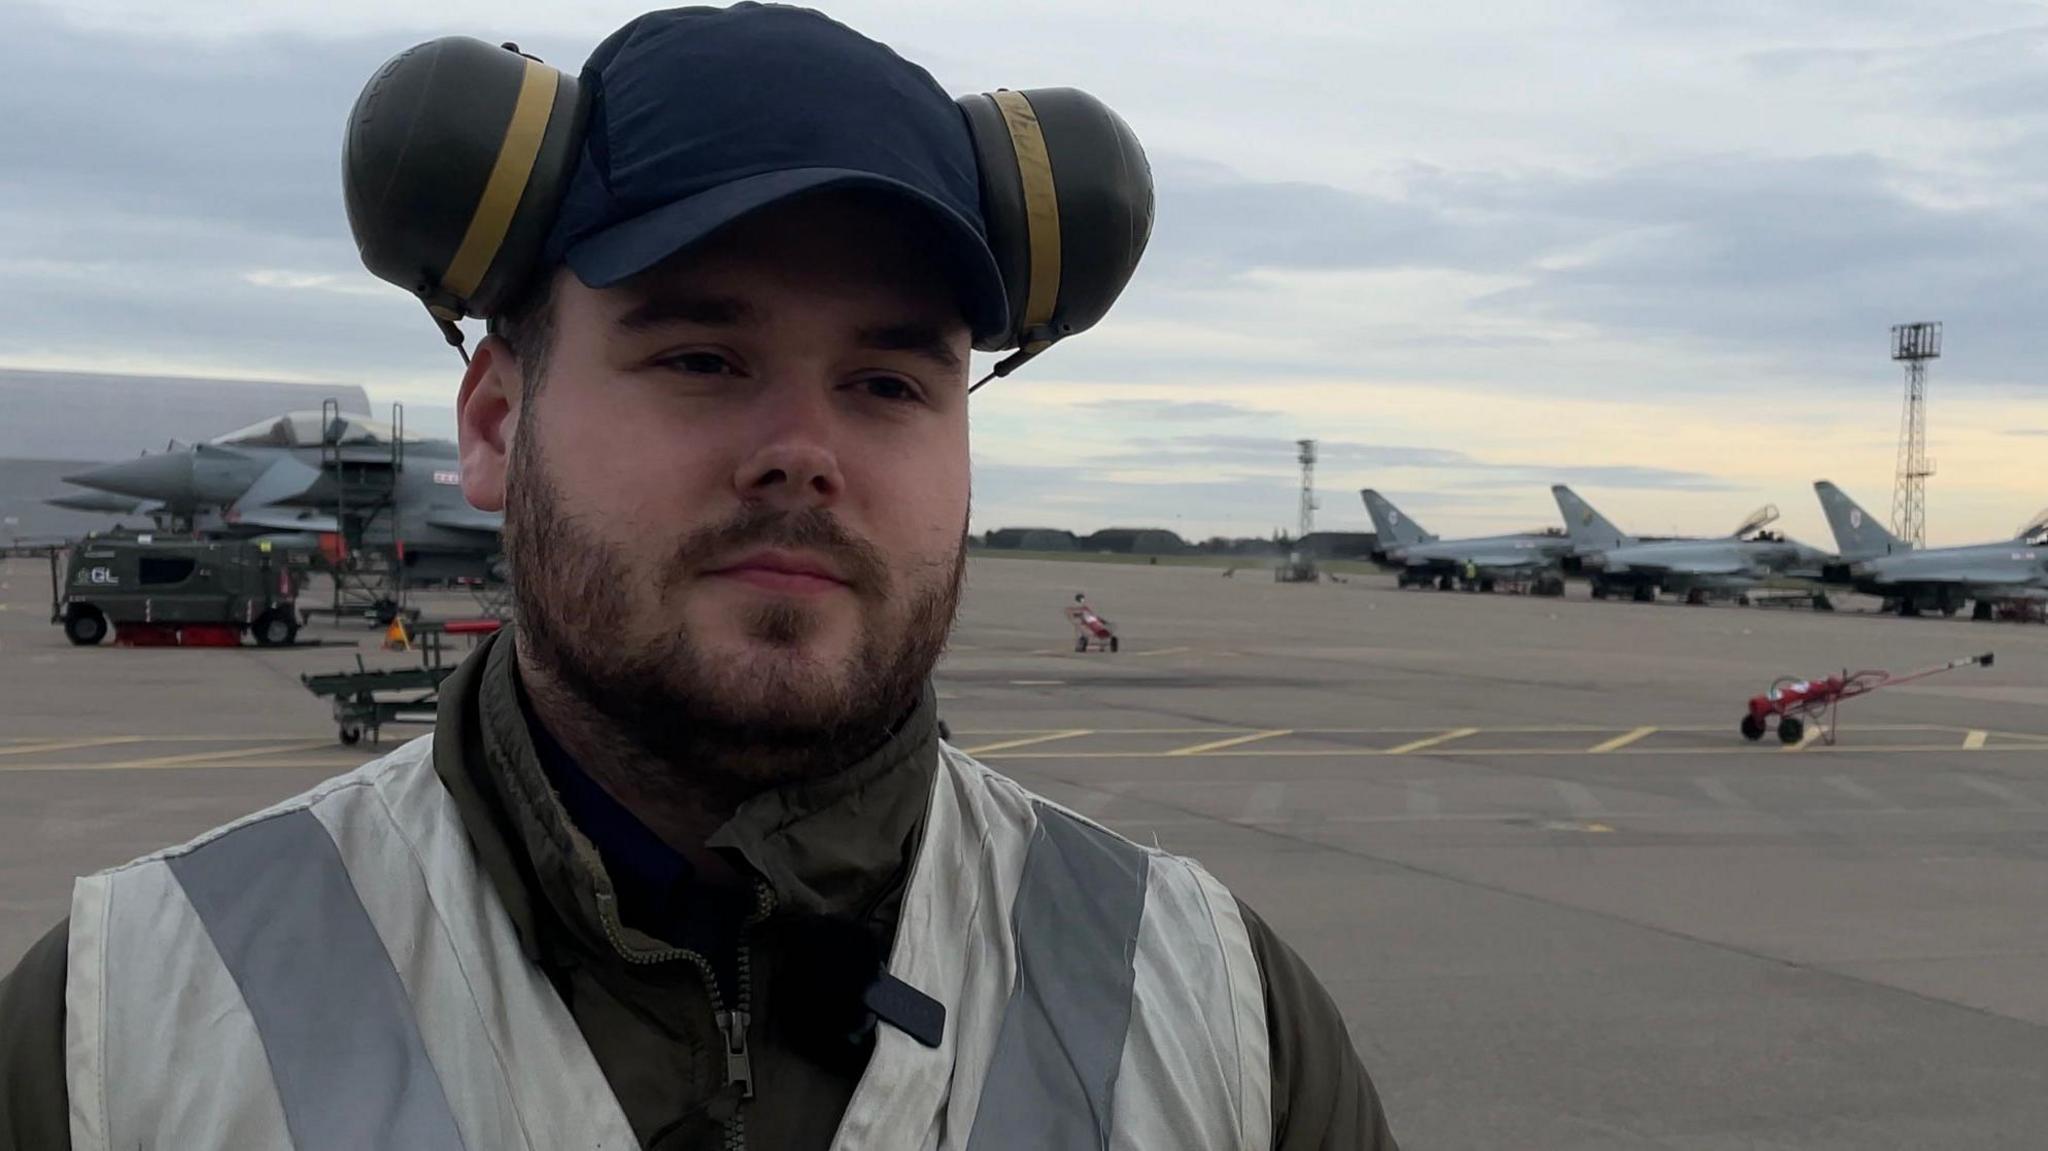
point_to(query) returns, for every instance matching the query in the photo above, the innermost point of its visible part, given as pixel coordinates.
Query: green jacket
(830, 851)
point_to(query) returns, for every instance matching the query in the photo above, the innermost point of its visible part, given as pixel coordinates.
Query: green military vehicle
(180, 591)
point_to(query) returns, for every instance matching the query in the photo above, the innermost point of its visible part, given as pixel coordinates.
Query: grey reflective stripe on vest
(336, 1024)
(1052, 1080)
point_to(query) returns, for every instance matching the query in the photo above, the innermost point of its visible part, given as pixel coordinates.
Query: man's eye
(699, 363)
(890, 388)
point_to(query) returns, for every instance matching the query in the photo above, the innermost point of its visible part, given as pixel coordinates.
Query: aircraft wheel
(1752, 728)
(85, 626)
(1081, 643)
(1791, 729)
(351, 735)
(1112, 643)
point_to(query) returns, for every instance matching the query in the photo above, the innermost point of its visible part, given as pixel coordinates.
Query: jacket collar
(836, 847)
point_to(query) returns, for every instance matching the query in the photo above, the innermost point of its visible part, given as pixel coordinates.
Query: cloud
(1273, 455)
(2027, 431)
(1177, 411)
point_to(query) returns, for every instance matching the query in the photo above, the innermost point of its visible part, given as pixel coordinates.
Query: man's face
(736, 502)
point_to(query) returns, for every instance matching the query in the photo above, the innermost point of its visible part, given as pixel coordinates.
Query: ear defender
(455, 160)
(458, 152)
(1066, 195)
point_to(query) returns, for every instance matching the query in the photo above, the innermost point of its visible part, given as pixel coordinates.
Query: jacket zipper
(732, 1025)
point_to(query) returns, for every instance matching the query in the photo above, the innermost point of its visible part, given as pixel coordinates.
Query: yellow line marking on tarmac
(1218, 745)
(1813, 732)
(336, 766)
(1432, 741)
(1975, 740)
(1026, 742)
(1157, 651)
(1512, 752)
(69, 744)
(1620, 741)
(213, 756)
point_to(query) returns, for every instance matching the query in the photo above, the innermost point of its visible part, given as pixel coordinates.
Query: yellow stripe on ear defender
(1041, 208)
(507, 181)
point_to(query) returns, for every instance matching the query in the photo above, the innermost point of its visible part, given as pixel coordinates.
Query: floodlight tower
(1307, 457)
(1914, 345)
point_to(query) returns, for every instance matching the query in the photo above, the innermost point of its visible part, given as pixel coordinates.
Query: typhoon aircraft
(1730, 566)
(1936, 579)
(323, 474)
(1422, 558)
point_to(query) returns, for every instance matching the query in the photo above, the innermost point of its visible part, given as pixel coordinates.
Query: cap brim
(632, 246)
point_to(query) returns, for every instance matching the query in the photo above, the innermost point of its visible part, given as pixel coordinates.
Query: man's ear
(486, 417)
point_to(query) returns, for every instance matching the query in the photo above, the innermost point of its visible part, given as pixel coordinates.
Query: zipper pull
(739, 1068)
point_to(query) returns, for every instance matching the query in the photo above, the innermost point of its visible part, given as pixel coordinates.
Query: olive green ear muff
(1066, 195)
(455, 160)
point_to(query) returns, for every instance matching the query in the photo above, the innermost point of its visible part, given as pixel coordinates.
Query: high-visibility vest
(338, 972)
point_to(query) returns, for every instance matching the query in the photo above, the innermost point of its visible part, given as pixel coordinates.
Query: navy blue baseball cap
(700, 116)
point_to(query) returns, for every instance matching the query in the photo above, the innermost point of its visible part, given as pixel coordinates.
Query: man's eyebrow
(918, 338)
(659, 308)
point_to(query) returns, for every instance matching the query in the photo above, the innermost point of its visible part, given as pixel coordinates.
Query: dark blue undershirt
(657, 888)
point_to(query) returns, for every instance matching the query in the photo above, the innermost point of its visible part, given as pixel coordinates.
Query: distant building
(55, 423)
(1032, 539)
(1136, 541)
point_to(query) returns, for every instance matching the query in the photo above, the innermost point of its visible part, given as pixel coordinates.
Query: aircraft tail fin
(1392, 524)
(1858, 534)
(1588, 528)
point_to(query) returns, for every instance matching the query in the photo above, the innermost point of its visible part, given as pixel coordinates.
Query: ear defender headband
(458, 152)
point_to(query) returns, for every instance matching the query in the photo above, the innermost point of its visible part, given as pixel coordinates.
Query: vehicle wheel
(1949, 609)
(1908, 608)
(1791, 729)
(1982, 611)
(1695, 597)
(1752, 728)
(1822, 603)
(1446, 583)
(1644, 593)
(1743, 599)
(276, 628)
(1599, 591)
(351, 735)
(1112, 643)
(1081, 643)
(1486, 585)
(85, 626)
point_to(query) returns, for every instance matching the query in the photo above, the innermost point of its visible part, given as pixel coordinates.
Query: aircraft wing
(1718, 567)
(467, 519)
(285, 519)
(284, 478)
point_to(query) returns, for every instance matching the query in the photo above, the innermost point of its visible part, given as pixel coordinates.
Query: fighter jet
(327, 473)
(1936, 579)
(1421, 558)
(1732, 565)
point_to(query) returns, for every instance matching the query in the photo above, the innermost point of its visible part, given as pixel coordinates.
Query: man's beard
(730, 726)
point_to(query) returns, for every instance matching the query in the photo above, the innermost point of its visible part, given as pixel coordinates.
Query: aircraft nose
(166, 477)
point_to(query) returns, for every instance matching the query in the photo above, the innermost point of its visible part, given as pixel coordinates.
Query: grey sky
(1474, 247)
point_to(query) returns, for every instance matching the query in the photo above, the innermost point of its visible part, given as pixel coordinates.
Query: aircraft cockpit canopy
(303, 430)
(1758, 520)
(2036, 530)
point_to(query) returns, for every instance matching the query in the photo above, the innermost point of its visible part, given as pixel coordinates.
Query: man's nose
(796, 466)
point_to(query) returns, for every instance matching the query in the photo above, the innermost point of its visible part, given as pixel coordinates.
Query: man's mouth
(791, 573)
